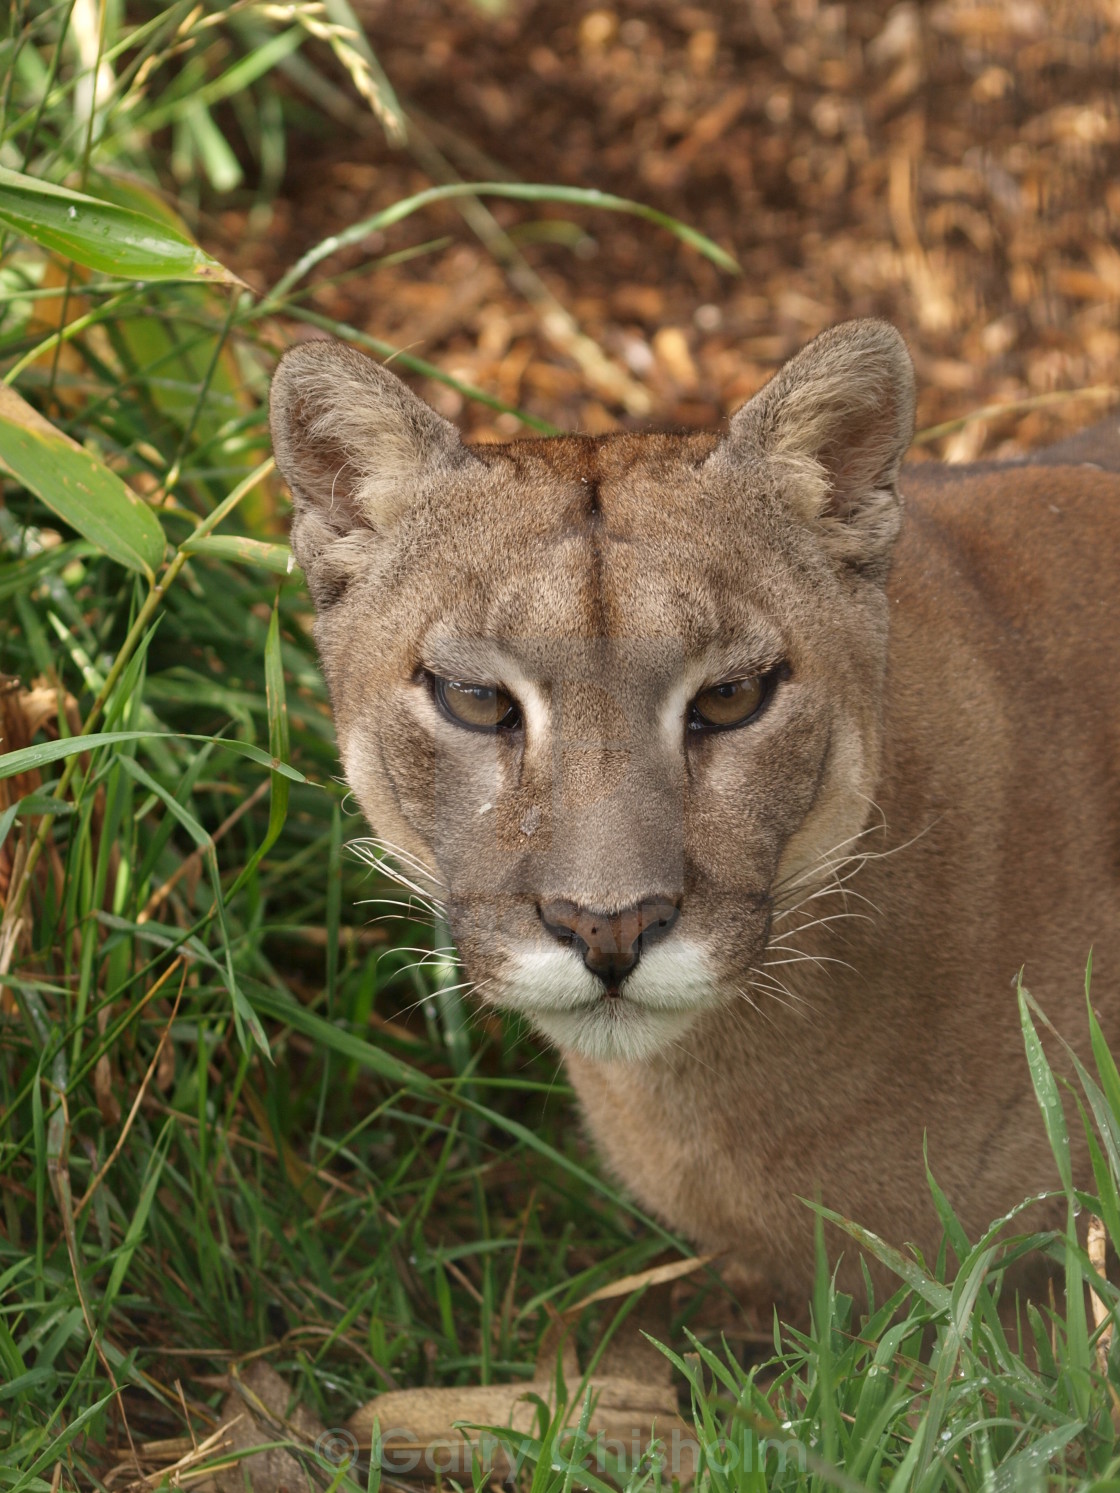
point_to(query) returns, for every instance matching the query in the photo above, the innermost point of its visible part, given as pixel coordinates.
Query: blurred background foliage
(244, 1106)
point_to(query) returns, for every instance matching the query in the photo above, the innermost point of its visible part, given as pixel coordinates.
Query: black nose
(611, 943)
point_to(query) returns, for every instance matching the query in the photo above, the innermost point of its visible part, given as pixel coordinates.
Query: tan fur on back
(928, 800)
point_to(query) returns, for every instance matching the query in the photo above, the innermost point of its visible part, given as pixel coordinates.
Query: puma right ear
(356, 448)
(838, 417)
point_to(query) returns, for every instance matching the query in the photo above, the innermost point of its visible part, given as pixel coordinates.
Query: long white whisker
(796, 957)
(409, 906)
(761, 979)
(806, 872)
(398, 853)
(839, 890)
(387, 901)
(754, 1005)
(779, 992)
(838, 869)
(832, 917)
(393, 872)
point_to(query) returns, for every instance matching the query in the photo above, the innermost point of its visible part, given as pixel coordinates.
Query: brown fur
(930, 799)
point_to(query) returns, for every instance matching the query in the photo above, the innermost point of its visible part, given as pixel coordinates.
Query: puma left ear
(838, 417)
(357, 448)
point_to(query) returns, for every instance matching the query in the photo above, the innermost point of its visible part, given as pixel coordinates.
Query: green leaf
(80, 489)
(239, 550)
(101, 235)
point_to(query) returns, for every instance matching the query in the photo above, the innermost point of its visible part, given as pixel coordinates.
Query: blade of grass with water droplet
(1046, 1092)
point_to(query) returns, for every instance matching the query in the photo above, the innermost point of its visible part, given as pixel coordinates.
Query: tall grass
(243, 1108)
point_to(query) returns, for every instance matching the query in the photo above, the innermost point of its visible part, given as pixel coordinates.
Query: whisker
(832, 917)
(798, 957)
(755, 1006)
(409, 906)
(397, 852)
(470, 986)
(840, 890)
(367, 853)
(763, 980)
(837, 869)
(781, 993)
(750, 1000)
(795, 879)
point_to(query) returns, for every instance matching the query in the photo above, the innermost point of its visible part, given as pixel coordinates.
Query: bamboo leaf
(81, 490)
(101, 235)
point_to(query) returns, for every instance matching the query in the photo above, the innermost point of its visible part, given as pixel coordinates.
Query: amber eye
(479, 707)
(724, 705)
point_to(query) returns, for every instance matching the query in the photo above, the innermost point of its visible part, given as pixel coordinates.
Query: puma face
(614, 695)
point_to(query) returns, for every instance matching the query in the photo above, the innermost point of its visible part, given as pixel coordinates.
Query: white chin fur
(555, 991)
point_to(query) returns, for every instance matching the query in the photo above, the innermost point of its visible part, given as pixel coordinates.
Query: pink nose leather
(611, 943)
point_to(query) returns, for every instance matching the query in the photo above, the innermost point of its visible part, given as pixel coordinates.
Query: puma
(746, 781)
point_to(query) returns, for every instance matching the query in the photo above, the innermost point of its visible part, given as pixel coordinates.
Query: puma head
(613, 693)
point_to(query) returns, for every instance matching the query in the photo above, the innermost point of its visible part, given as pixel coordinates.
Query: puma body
(776, 951)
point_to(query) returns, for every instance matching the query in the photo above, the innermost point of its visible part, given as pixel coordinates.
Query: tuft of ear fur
(838, 418)
(356, 448)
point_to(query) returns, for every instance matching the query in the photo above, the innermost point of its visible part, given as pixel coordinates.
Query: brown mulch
(954, 167)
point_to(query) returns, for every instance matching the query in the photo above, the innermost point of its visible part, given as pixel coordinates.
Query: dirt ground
(954, 167)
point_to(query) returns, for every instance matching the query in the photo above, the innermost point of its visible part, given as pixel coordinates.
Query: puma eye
(479, 707)
(722, 706)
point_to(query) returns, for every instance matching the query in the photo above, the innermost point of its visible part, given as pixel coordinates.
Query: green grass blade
(278, 741)
(519, 192)
(937, 1295)
(31, 758)
(1046, 1092)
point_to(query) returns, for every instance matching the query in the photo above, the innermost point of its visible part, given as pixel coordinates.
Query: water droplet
(946, 1435)
(787, 1425)
(71, 212)
(1077, 1210)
